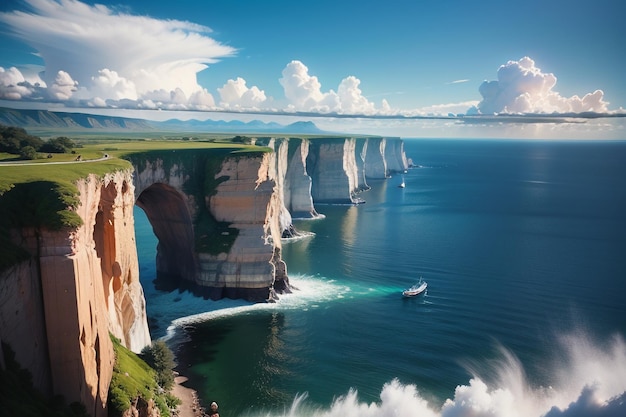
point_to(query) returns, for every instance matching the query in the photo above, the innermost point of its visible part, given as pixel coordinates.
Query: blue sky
(345, 57)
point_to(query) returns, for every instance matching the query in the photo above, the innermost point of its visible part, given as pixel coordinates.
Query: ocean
(523, 246)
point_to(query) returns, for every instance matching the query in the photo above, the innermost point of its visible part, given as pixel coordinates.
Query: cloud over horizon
(109, 56)
(304, 93)
(98, 56)
(522, 87)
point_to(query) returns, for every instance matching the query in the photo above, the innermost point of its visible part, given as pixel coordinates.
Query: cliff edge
(78, 284)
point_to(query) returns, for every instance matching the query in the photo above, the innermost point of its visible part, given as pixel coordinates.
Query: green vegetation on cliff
(161, 359)
(211, 236)
(42, 197)
(133, 378)
(44, 194)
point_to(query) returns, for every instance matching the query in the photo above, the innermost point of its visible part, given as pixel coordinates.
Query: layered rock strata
(219, 219)
(331, 164)
(247, 199)
(332, 170)
(58, 307)
(79, 285)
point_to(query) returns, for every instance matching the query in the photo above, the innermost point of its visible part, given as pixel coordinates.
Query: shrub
(161, 359)
(134, 378)
(57, 145)
(28, 152)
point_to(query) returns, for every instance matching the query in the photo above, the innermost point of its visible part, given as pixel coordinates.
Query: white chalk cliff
(219, 218)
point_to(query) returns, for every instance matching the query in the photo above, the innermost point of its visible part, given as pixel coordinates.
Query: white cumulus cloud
(113, 56)
(304, 93)
(108, 84)
(63, 87)
(351, 98)
(522, 87)
(236, 94)
(13, 86)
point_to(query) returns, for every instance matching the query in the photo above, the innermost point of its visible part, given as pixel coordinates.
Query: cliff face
(80, 285)
(110, 230)
(292, 180)
(219, 220)
(395, 156)
(331, 164)
(22, 323)
(248, 201)
(332, 170)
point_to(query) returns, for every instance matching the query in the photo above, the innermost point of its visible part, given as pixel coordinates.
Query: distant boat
(416, 289)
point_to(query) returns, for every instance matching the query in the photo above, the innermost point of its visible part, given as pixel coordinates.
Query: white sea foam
(589, 378)
(300, 236)
(309, 292)
(591, 382)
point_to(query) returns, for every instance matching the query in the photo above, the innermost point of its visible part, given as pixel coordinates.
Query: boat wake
(590, 381)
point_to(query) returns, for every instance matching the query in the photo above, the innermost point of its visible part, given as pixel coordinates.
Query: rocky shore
(190, 406)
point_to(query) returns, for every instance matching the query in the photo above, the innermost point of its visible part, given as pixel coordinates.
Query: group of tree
(17, 141)
(160, 358)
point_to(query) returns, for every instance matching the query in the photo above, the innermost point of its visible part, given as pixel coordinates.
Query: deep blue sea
(523, 246)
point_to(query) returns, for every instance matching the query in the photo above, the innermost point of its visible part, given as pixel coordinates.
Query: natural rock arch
(168, 213)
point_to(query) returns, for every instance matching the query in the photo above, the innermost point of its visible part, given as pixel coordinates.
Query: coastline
(190, 406)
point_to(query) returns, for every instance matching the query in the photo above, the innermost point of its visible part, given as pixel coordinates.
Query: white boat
(416, 289)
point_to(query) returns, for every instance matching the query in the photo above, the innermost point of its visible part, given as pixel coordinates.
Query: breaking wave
(589, 381)
(586, 378)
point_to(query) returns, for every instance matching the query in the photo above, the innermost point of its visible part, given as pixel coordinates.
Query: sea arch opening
(167, 211)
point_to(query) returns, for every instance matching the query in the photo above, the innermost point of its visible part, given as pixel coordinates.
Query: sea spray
(586, 378)
(591, 383)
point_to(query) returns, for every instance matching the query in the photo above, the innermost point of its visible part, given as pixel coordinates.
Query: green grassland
(118, 153)
(43, 194)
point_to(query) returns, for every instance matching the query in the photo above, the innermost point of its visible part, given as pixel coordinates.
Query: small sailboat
(416, 289)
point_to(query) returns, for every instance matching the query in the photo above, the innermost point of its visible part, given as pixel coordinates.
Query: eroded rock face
(182, 200)
(395, 156)
(112, 225)
(331, 170)
(246, 199)
(80, 285)
(257, 195)
(331, 164)
(22, 323)
(297, 184)
(375, 164)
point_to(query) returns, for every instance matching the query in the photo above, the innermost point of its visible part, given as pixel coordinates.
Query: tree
(61, 144)
(12, 139)
(28, 152)
(161, 359)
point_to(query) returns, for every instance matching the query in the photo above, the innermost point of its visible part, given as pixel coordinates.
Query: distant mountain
(44, 119)
(47, 119)
(233, 126)
(217, 126)
(304, 127)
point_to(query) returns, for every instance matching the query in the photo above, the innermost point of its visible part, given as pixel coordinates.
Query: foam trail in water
(591, 383)
(311, 292)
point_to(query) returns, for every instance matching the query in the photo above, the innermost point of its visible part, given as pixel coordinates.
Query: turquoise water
(523, 245)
